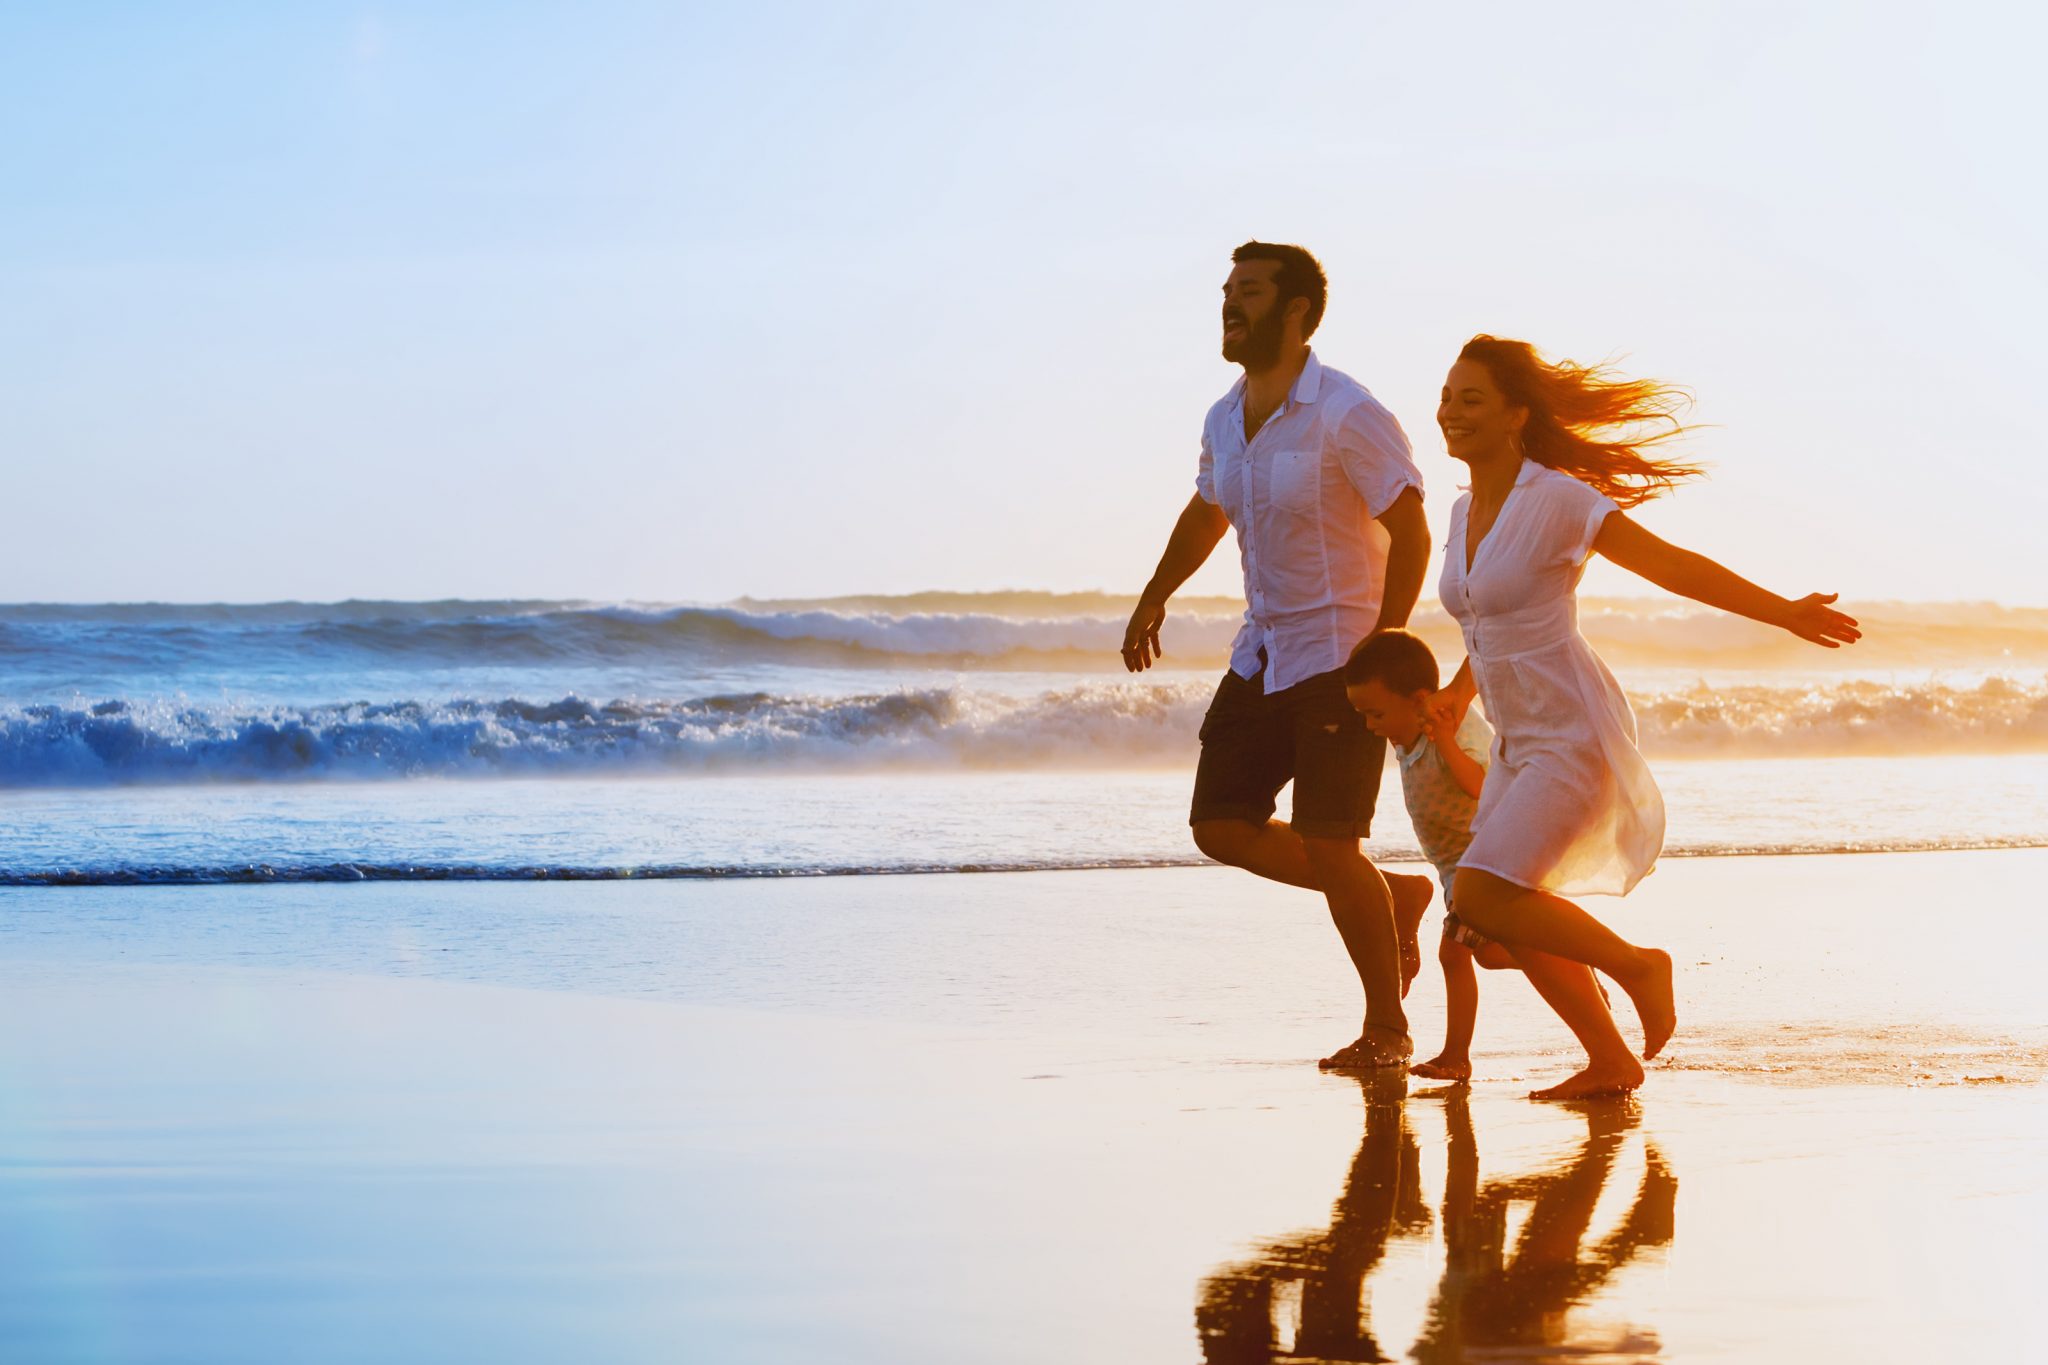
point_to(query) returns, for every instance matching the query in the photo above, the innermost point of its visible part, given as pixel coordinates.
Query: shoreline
(347, 873)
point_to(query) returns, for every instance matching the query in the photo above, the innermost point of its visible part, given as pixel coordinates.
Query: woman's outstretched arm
(1695, 576)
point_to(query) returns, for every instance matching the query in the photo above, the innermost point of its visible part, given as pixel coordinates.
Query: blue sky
(652, 302)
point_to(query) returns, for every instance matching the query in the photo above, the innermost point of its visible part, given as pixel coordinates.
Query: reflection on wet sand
(1494, 1300)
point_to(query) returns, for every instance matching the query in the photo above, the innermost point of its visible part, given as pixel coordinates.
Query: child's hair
(1396, 659)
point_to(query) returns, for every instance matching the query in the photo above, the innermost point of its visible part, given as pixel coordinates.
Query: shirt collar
(1306, 386)
(1311, 381)
(1529, 470)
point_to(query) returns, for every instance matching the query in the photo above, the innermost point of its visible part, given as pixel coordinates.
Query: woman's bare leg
(1522, 918)
(1569, 988)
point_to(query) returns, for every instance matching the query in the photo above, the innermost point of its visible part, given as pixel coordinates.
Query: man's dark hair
(1300, 276)
(1396, 659)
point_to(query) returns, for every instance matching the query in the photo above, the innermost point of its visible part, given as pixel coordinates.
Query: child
(1390, 678)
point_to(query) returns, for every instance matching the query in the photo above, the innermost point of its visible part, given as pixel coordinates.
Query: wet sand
(1049, 1117)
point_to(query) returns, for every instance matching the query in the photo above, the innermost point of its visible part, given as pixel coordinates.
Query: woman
(1569, 807)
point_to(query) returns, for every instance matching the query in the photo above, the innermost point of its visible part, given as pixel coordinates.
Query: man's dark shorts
(1254, 744)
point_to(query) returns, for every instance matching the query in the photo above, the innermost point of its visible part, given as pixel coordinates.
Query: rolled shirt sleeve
(1375, 455)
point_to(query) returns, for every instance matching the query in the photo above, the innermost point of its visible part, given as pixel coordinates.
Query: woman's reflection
(1491, 1296)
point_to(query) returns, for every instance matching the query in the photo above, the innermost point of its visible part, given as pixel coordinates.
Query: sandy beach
(1034, 1117)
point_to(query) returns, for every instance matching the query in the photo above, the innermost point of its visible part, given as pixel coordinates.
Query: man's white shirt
(1303, 495)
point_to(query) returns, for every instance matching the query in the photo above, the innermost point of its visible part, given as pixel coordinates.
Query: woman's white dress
(1569, 806)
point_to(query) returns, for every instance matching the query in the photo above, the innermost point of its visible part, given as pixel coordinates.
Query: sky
(677, 303)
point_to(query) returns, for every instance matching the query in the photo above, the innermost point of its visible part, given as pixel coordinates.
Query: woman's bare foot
(1652, 994)
(1412, 896)
(1370, 1051)
(1443, 1067)
(1598, 1080)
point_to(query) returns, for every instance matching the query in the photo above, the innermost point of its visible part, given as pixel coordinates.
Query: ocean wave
(966, 631)
(165, 742)
(1999, 715)
(1098, 725)
(582, 636)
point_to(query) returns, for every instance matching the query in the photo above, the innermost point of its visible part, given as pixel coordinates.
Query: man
(1316, 478)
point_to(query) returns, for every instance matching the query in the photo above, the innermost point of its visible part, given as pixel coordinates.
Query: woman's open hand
(1813, 618)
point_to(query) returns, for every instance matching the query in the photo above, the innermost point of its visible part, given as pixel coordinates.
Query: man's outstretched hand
(1141, 636)
(1200, 526)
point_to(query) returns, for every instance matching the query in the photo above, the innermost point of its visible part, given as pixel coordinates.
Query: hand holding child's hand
(1433, 726)
(1443, 713)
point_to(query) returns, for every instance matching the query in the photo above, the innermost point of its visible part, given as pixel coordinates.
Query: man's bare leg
(1274, 851)
(1362, 906)
(1412, 896)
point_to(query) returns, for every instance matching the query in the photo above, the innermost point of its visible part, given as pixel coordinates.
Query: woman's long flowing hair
(1590, 422)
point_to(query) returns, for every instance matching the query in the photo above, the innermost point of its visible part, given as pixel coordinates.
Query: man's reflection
(1491, 1296)
(1382, 1195)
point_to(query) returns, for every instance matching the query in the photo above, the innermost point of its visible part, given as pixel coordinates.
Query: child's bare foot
(1597, 1081)
(1651, 992)
(1443, 1067)
(1412, 896)
(1371, 1050)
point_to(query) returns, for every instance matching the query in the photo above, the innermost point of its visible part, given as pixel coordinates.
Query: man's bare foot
(1412, 896)
(1597, 1081)
(1370, 1051)
(1443, 1067)
(1652, 995)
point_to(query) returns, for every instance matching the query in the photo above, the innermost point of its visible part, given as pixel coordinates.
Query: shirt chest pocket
(1294, 482)
(1229, 481)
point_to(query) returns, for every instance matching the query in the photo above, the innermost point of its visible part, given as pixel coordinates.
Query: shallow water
(884, 823)
(1007, 1118)
(1820, 970)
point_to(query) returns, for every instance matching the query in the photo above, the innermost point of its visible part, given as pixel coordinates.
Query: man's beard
(1259, 347)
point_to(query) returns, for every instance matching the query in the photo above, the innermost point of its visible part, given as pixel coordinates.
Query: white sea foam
(1095, 724)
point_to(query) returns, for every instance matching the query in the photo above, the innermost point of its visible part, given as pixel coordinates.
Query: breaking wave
(1092, 725)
